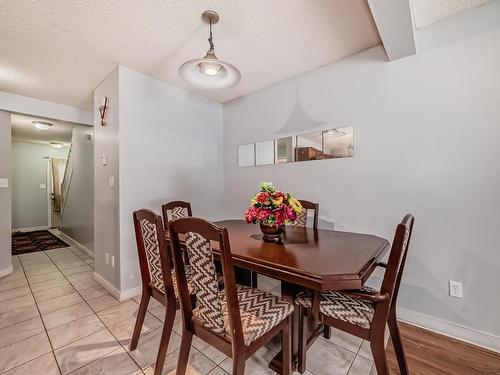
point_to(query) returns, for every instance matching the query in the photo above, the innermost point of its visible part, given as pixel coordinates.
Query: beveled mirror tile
(326, 358)
(18, 315)
(48, 284)
(59, 303)
(102, 302)
(23, 351)
(20, 331)
(6, 295)
(16, 303)
(123, 330)
(147, 348)
(45, 276)
(46, 365)
(198, 364)
(66, 315)
(53, 293)
(119, 313)
(85, 350)
(258, 364)
(117, 362)
(360, 366)
(74, 330)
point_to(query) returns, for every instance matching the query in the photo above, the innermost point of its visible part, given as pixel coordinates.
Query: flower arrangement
(272, 208)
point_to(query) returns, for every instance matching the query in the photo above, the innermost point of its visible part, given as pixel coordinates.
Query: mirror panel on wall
(264, 153)
(246, 155)
(309, 146)
(285, 150)
(338, 143)
(318, 145)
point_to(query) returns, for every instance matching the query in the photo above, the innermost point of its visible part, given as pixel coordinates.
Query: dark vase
(272, 233)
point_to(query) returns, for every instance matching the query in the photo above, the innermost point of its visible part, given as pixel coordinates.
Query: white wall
(170, 149)
(42, 108)
(77, 216)
(29, 170)
(426, 134)
(5, 194)
(106, 225)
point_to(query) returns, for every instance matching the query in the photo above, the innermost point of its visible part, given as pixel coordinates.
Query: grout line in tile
(43, 323)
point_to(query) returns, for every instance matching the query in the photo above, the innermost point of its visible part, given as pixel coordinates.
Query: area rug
(38, 240)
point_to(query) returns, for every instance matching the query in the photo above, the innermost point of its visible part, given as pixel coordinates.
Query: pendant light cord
(210, 37)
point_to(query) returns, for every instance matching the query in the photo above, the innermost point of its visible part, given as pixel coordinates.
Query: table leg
(313, 329)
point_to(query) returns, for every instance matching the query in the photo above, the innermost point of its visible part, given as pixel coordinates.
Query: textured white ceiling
(23, 130)
(62, 49)
(428, 12)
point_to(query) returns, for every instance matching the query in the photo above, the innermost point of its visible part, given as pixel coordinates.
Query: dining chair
(237, 320)
(301, 220)
(158, 280)
(175, 210)
(365, 312)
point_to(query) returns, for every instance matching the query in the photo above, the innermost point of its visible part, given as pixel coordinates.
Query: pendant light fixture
(209, 73)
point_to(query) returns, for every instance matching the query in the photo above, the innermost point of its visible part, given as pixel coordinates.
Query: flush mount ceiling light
(56, 145)
(41, 125)
(209, 73)
(335, 133)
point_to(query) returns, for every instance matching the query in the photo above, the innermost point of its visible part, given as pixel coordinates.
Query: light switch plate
(4, 182)
(43, 186)
(111, 181)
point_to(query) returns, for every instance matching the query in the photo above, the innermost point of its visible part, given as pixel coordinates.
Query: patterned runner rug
(38, 240)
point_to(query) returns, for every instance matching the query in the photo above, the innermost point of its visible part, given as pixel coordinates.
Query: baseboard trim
(77, 244)
(456, 331)
(120, 296)
(6, 271)
(30, 229)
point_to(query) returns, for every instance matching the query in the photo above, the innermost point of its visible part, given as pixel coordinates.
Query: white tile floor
(55, 319)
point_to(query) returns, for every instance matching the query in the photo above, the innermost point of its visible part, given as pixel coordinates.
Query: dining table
(305, 259)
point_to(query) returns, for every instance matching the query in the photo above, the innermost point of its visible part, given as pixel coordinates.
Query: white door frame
(49, 192)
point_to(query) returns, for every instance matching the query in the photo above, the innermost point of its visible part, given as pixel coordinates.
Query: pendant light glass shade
(209, 73)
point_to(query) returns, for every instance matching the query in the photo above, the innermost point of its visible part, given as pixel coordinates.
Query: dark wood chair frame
(167, 299)
(308, 205)
(170, 206)
(233, 346)
(385, 309)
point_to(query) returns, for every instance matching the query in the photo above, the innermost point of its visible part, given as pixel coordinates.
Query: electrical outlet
(455, 289)
(113, 261)
(106, 258)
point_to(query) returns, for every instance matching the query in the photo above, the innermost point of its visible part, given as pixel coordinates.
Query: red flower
(262, 197)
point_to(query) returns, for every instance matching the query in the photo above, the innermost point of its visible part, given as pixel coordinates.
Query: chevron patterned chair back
(175, 210)
(302, 217)
(365, 312)
(157, 279)
(237, 320)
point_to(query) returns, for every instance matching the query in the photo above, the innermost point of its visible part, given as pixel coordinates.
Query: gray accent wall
(426, 134)
(106, 210)
(77, 217)
(29, 171)
(5, 194)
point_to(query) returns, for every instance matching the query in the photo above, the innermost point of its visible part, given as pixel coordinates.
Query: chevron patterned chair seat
(259, 311)
(343, 306)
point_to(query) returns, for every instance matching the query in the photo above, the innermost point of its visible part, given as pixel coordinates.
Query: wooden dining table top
(313, 258)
